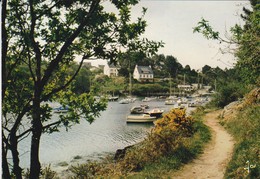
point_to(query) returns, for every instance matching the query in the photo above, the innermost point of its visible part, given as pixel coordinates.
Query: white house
(143, 73)
(111, 70)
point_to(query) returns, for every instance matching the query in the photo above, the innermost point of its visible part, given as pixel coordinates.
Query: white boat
(61, 109)
(124, 101)
(145, 106)
(169, 102)
(131, 99)
(179, 101)
(140, 118)
(172, 98)
(155, 112)
(113, 98)
(137, 110)
(147, 99)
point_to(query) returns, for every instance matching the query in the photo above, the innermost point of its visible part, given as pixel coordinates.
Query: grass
(190, 149)
(245, 128)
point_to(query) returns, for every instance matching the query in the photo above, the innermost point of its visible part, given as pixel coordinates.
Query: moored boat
(169, 102)
(155, 112)
(147, 99)
(113, 98)
(61, 109)
(124, 101)
(137, 110)
(140, 118)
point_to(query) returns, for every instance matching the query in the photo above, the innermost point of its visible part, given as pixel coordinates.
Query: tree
(249, 46)
(82, 81)
(40, 40)
(206, 69)
(246, 40)
(172, 66)
(158, 65)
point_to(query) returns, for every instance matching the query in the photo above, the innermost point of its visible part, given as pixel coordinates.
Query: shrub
(229, 92)
(88, 170)
(246, 129)
(168, 134)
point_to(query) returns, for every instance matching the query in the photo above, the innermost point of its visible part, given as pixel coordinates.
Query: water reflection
(107, 133)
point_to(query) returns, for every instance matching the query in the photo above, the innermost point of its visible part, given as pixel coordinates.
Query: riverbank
(168, 147)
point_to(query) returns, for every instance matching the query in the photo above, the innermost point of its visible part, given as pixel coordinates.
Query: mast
(130, 83)
(170, 86)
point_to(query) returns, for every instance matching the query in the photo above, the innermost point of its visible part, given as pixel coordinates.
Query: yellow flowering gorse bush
(174, 121)
(167, 135)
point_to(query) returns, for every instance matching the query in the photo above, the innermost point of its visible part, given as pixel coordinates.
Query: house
(143, 73)
(185, 87)
(111, 70)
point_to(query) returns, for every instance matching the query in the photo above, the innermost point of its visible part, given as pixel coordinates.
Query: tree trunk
(16, 168)
(4, 47)
(35, 166)
(5, 167)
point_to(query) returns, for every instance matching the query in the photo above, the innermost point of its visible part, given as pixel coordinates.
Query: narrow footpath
(212, 163)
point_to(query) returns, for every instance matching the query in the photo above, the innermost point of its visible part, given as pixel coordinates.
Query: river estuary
(83, 141)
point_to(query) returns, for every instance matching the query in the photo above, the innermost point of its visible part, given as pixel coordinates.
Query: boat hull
(140, 119)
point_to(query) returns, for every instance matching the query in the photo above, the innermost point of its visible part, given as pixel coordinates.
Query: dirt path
(212, 163)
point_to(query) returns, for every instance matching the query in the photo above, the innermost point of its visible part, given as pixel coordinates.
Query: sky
(172, 22)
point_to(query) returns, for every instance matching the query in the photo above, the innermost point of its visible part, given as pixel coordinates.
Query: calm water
(106, 134)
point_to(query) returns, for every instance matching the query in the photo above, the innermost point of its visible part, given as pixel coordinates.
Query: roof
(144, 70)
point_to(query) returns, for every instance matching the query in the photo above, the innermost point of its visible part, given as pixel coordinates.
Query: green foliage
(245, 127)
(41, 40)
(228, 92)
(86, 170)
(207, 31)
(248, 51)
(148, 89)
(246, 39)
(46, 173)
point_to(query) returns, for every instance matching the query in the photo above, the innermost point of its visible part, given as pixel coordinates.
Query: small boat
(172, 98)
(137, 110)
(169, 102)
(131, 99)
(145, 106)
(140, 118)
(127, 100)
(124, 101)
(182, 106)
(113, 98)
(147, 99)
(156, 112)
(61, 109)
(179, 101)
